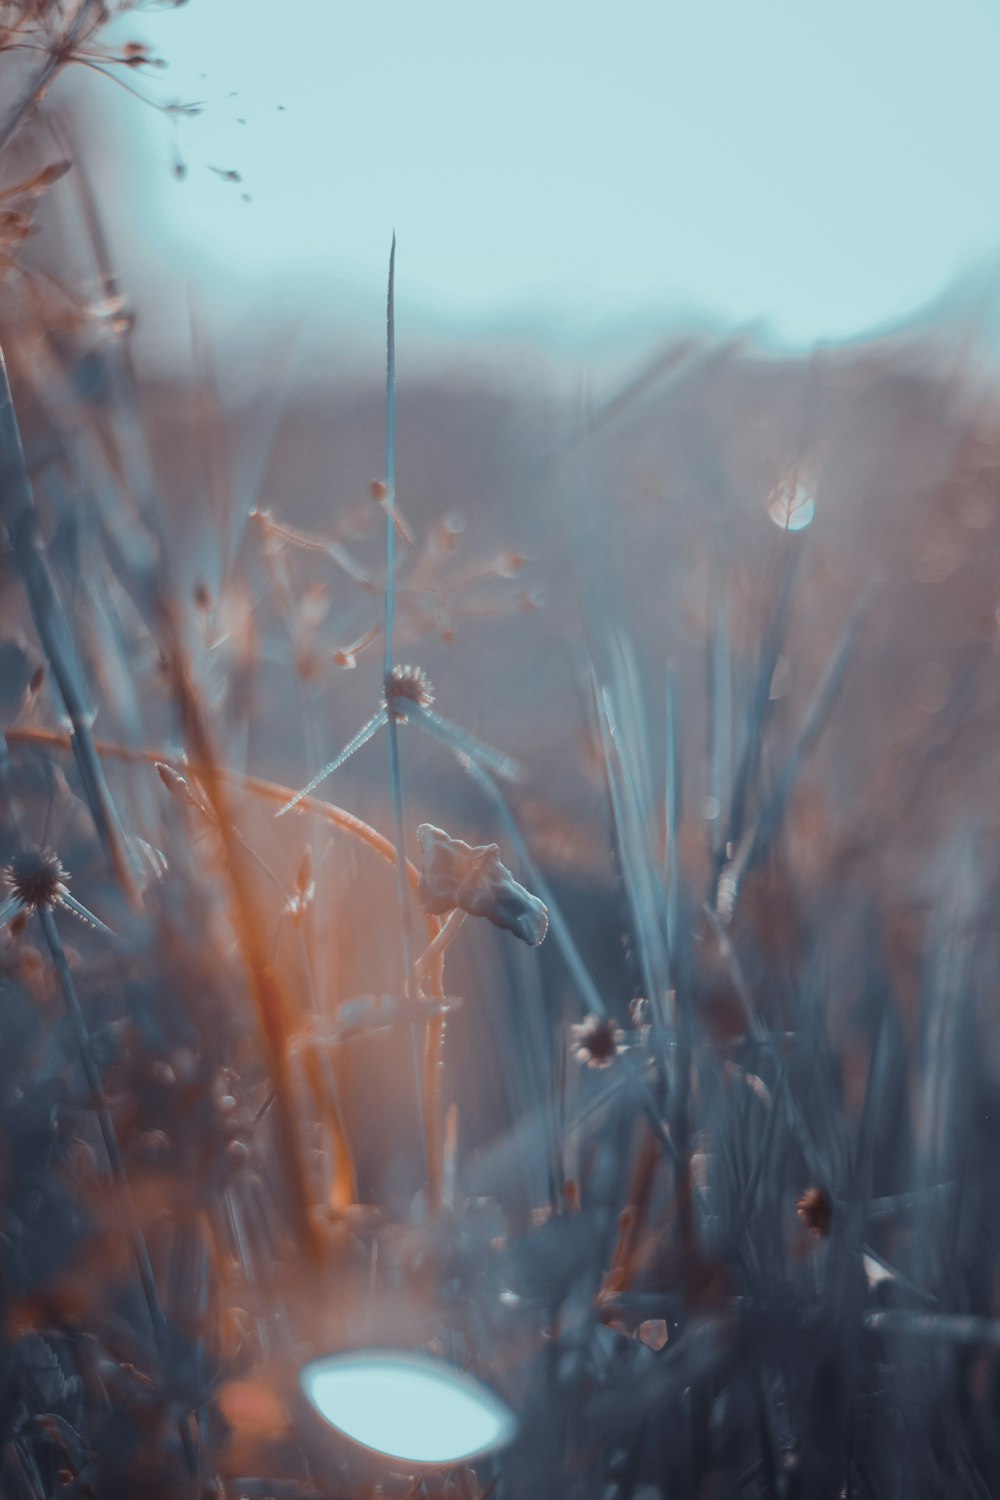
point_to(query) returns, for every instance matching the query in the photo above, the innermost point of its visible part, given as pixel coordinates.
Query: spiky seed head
(815, 1210)
(36, 877)
(408, 684)
(597, 1041)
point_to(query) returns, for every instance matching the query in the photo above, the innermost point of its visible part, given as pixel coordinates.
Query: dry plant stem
(273, 1010)
(110, 1137)
(432, 960)
(433, 1045)
(437, 947)
(257, 786)
(89, 14)
(322, 1086)
(643, 1177)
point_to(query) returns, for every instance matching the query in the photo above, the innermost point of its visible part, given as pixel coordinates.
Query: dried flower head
(407, 684)
(37, 879)
(597, 1041)
(473, 878)
(640, 1013)
(815, 1210)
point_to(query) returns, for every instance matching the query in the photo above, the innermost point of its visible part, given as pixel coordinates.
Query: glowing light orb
(407, 1406)
(791, 507)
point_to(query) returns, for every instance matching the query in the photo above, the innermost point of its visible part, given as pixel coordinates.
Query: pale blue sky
(821, 167)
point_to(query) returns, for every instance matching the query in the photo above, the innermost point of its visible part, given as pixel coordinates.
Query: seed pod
(473, 878)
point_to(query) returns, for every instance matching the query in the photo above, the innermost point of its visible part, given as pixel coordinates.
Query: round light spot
(407, 1406)
(791, 507)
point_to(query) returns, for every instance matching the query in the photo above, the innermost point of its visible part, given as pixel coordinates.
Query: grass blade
(20, 518)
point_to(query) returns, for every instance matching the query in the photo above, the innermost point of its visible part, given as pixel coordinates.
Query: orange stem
(271, 791)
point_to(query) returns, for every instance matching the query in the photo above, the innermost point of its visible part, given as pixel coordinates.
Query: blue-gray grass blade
(757, 838)
(815, 722)
(720, 723)
(636, 861)
(361, 738)
(390, 462)
(589, 993)
(948, 1328)
(671, 818)
(395, 763)
(757, 1028)
(20, 519)
(745, 1208)
(251, 473)
(131, 549)
(590, 996)
(10, 909)
(753, 740)
(628, 704)
(85, 916)
(463, 743)
(632, 742)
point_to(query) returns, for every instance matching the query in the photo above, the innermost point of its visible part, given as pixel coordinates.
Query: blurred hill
(647, 516)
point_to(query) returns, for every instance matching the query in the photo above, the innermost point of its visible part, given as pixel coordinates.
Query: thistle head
(597, 1041)
(407, 685)
(36, 878)
(815, 1210)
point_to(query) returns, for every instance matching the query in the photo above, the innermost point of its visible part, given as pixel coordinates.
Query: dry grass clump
(270, 1089)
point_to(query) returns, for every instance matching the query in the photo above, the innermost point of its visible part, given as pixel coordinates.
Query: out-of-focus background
(563, 178)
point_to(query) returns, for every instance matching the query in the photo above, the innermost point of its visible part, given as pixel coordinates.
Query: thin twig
(57, 56)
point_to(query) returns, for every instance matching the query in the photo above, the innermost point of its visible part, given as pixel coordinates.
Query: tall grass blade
(638, 866)
(590, 995)
(20, 519)
(395, 761)
(671, 820)
(753, 736)
(758, 837)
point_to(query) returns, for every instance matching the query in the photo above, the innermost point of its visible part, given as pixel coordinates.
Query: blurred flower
(472, 877)
(816, 1211)
(37, 881)
(597, 1041)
